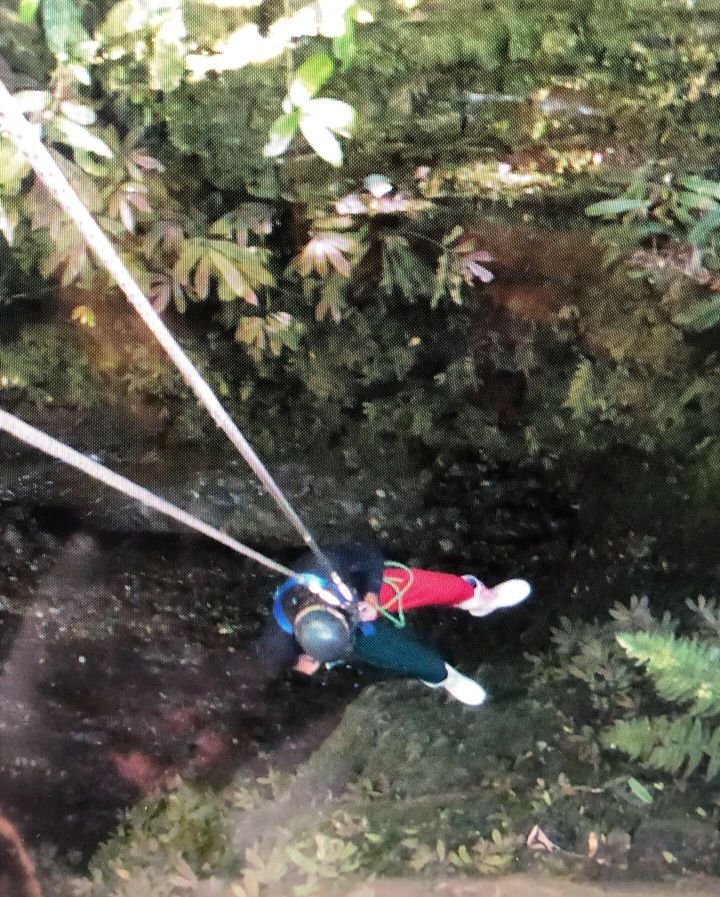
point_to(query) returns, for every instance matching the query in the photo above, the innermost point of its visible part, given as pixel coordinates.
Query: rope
(36, 438)
(27, 140)
(400, 590)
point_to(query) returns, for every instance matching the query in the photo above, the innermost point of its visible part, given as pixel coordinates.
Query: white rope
(32, 436)
(27, 140)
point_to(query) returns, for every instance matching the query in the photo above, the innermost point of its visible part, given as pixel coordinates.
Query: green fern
(668, 745)
(708, 611)
(682, 670)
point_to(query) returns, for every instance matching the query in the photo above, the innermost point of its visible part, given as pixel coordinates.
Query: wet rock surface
(675, 843)
(409, 780)
(462, 509)
(133, 664)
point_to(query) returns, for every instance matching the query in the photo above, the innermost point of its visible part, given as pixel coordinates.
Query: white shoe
(484, 600)
(461, 687)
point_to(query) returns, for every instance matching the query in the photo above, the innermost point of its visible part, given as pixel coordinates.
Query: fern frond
(637, 615)
(682, 670)
(709, 613)
(668, 745)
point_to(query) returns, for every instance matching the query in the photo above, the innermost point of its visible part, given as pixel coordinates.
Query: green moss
(49, 364)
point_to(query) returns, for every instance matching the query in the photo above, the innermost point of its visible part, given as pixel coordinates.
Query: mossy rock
(407, 779)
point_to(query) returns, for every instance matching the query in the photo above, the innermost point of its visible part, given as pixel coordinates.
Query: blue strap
(280, 616)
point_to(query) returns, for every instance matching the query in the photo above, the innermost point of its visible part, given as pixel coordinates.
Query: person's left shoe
(461, 687)
(485, 601)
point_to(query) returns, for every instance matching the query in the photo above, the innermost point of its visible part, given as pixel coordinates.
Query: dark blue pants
(398, 651)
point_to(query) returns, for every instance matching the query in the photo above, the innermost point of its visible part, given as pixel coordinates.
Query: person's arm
(360, 564)
(275, 649)
(278, 650)
(364, 565)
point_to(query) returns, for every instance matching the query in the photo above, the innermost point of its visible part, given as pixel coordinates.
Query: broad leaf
(441, 276)
(700, 316)
(332, 299)
(13, 168)
(190, 253)
(610, 208)
(249, 260)
(78, 113)
(81, 73)
(84, 315)
(640, 791)
(8, 222)
(324, 250)
(123, 19)
(33, 100)
(581, 398)
(310, 77)
(333, 114)
(322, 140)
(692, 201)
(333, 17)
(250, 330)
(232, 276)
(652, 228)
(704, 227)
(345, 46)
(167, 65)
(282, 132)
(80, 138)
(202, 278)
(701, 186)
(27, 10)
(63, 26)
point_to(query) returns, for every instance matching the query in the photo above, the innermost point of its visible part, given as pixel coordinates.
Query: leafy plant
(317, 119)
(681, 217)
(589, 661)
(684, 672)
(48, 365)
(188, 823)
(582, 399)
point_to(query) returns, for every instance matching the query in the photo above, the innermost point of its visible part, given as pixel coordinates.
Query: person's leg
(426, 588)
(400, 652)
(404, 654)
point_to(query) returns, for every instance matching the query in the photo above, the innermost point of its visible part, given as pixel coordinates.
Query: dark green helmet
(324, 632)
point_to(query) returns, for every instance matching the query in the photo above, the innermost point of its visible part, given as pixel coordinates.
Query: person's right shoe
(486, 600)
(461, 687)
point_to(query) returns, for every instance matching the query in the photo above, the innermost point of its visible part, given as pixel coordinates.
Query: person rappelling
(311, 624)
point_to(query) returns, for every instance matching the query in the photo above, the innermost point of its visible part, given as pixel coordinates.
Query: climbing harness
(27, 140)
(399, 589)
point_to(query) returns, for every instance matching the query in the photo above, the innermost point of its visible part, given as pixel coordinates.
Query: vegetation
(684, 672)
(345, 283)
(409, 247)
